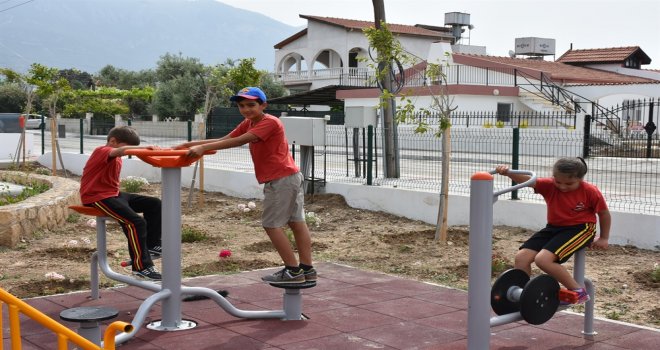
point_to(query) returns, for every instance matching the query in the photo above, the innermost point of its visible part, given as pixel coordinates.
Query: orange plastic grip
(165, 158)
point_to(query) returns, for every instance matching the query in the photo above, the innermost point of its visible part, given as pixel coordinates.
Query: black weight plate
(498, 300)
(539, 299)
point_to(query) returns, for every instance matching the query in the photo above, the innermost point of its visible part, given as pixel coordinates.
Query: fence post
(129, 123)
(515, 158)
(370, 154)
(650, 128)
(587, 136)
(81, 135)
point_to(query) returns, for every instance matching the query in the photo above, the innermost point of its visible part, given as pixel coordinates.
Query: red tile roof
(558, 72)
(605, 55)
(394, 28)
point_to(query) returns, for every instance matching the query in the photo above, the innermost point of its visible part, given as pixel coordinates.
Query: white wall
(633, 229)
(9, 145)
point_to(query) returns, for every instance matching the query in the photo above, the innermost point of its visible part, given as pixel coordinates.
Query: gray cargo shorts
(283, 201)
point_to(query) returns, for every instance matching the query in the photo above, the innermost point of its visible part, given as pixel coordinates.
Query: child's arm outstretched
(121, 151)
(517, 178)
(190, 144)
(605, 220)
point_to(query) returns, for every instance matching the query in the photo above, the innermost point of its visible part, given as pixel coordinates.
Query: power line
(15, 6)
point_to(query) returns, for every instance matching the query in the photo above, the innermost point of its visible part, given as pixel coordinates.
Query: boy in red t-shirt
(283, 183)
(99, 188)
(574, 207)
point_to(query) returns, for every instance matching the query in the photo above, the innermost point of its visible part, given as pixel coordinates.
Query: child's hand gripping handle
(530, 182)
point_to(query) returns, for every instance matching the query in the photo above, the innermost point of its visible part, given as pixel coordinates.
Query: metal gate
(627, 130)
(101, 125)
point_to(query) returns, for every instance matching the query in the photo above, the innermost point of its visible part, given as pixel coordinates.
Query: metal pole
(171, 310)
(587, 136)
(481, 245)
(515, 157)
(579, 260)
(370, 154)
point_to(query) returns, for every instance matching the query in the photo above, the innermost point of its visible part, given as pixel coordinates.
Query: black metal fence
(629, 181)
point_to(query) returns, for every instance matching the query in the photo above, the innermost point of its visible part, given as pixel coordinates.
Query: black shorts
(562, 241)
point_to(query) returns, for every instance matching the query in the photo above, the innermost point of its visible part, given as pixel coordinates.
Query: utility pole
(390, 154)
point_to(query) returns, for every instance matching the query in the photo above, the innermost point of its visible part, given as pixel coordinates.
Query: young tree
(390, 52)
(22, 81)
(50, 87)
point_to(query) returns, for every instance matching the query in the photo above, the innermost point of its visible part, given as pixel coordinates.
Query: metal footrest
(294, 285)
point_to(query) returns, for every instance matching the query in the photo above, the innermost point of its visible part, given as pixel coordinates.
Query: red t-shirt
(100, 177)
(270, 154)
(571, 208)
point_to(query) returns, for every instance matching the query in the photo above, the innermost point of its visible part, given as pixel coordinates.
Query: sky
(586, 24)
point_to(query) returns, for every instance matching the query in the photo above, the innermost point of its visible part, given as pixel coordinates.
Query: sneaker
(285, 276)
(149, 273)
(156, 252)
(582, 297)
(310, 275)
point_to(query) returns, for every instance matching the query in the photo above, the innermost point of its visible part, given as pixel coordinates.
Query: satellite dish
(512, 54)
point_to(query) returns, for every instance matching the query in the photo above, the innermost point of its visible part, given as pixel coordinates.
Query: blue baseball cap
(251, 93)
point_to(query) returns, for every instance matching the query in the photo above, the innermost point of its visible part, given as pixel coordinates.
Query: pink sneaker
(583, 296)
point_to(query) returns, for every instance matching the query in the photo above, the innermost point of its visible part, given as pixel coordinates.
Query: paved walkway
(349, 309)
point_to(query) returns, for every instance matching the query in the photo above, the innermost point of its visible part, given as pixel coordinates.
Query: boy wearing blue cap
(283, 183)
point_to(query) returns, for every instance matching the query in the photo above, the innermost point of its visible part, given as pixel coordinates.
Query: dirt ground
(360, 238)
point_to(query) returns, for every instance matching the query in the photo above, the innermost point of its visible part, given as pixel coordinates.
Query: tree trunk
(390, 156)
(441, 225)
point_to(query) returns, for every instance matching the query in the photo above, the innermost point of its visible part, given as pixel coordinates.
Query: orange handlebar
(157, 152)
(165, 158)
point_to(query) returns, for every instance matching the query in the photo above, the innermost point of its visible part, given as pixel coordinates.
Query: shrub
(31, 189)
(42, 171)
(312, 220)
(655, 273)
(133, 184)
(192, 235)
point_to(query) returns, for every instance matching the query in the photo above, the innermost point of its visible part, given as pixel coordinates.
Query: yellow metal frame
(64, 334)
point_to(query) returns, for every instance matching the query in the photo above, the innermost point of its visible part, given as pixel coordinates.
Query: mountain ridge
(134, 34)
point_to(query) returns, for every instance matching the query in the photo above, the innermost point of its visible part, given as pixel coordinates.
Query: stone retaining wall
(45, 211)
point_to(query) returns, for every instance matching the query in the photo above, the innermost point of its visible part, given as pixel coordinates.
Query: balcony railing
(454, 74)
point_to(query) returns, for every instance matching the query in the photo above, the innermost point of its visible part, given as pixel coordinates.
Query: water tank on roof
(535, 46)
(459, 18)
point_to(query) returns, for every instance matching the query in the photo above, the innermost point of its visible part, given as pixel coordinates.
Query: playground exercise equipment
(513, 297)
(170, 292)
(64, 335)
(536, 299)
(89, 317)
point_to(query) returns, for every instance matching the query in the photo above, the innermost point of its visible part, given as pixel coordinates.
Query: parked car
(34, 121)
